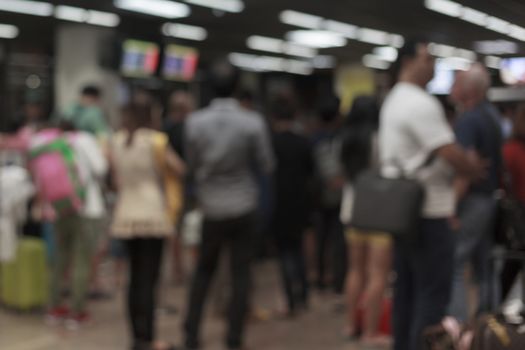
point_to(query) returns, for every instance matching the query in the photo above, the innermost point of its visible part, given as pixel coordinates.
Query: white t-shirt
(413, 126)
(92, 166)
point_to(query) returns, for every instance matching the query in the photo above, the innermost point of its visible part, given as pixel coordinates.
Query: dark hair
(360, 125)
(283, 109)
(91, 91)
(409, 50)
(136, 116)
(66, 125)
(224, 78)
(328, 108)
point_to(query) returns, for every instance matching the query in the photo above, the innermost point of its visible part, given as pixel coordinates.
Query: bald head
(471, 87)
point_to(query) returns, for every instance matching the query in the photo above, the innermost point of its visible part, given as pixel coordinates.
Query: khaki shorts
(368, 237)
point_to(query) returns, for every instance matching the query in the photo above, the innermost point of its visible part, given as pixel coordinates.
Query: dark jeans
(424, 270)
(293, 268)
(331, 241)
(237, 234)
(145, 257)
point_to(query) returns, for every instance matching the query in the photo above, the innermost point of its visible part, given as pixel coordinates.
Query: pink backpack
(55, 173)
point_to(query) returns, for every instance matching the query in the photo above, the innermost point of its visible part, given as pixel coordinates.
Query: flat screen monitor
(512, 71)
(180, 63)
(140, 59)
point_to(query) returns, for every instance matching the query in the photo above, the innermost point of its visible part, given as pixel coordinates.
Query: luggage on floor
(24, 281)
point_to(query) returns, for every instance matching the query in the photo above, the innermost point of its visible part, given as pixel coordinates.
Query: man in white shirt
(415, 136)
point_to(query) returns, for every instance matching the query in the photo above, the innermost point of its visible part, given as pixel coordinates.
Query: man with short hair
(86, 114)
(224, 143)
(477, 129)
(416, 139)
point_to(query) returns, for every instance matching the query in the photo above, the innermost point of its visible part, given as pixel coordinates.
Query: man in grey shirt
(225, 146)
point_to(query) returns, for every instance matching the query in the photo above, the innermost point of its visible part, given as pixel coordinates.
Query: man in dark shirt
(478, 130)
(293, 180)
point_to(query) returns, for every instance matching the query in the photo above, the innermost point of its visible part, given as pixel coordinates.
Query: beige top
(140, 210)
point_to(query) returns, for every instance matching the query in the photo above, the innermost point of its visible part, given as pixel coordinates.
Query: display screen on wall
(140, 59)
(513, 71)
(180, 63)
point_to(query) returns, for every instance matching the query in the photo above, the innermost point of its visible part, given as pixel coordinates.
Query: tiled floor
(318, 329)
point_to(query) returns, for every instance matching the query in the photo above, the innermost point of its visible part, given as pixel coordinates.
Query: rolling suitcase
(24, 281)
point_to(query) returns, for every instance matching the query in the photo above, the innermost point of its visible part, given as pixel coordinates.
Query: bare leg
(355, 283)
(379, 265)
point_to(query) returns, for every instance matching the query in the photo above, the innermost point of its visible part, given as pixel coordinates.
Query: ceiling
(228, 32)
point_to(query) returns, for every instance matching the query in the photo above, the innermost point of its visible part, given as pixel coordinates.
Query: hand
(478, 165)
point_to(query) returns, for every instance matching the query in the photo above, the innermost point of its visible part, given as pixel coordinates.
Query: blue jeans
(473, 244)
(424, 269)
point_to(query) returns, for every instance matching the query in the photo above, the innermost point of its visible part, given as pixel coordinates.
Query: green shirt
(87, 118)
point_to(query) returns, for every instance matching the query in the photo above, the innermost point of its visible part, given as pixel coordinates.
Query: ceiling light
(445, 7)
(299, 50)
(263, 43)
(456, 63)
(159, 8)
(300, 19)
(184, 31)
(298, 67)
(498, 25)
(321, 39)
(69, 13)
(397, 40)
(441, 50)
(348, 30)
(269, 63)
(517, 32)
(496, 47)
(466, 54)
(8, 31)
(474, 16)
(386, 53)
(372, 36)
(324, 62)
(223, 5)
(493, 62)
(105, 19)
(372, 61)
(36, 8)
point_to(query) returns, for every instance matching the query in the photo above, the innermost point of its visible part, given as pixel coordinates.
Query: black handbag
(392, 205)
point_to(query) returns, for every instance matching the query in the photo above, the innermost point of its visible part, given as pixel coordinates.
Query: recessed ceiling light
(263, 43)
(8, 31)
(159, 8)
(105, 19)
(445, 7)
(316, 38)
(498, 25)
(493, 62)
(69, 13)
(496, 47)
(372, 61)
(270, 63)
(184, 31)
(222, 5)
(36, 8)
(300, 19)
(386, 53)
(348, 30)
(474, 16)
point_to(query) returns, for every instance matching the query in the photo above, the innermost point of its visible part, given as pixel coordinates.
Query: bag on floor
(497, 332)
(24, 281)
(54, 169)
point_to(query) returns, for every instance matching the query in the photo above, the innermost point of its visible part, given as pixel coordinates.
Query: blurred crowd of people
(227, 180)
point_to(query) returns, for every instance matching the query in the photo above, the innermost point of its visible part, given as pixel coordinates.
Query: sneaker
(56, 315)
(78, 320)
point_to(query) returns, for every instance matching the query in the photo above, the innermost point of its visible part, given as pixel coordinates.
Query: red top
(514, 154)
